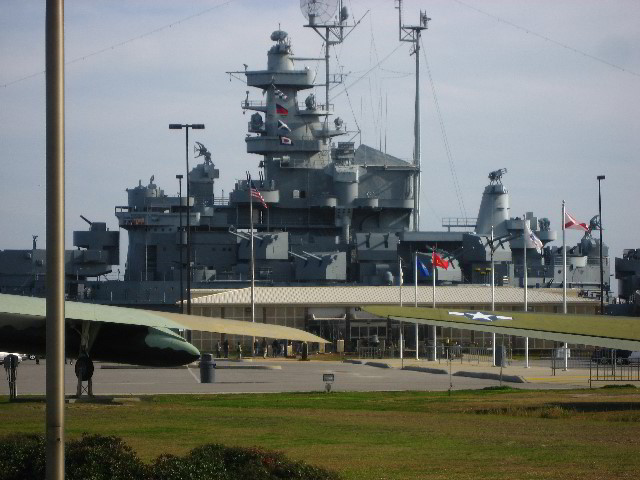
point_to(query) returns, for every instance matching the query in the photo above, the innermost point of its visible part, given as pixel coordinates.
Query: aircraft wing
(127, 335)
(597, 330)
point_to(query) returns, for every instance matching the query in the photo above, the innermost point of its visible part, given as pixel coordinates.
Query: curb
(437, 371)
(490, 376)
(378, 364)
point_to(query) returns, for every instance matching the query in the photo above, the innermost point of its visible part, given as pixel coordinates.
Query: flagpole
(564, 263)
(493, 302)
(253, 276)
(526, 281)
(433, 285)
(415, 277)
(564, 279)
(433, 281)
(400, 277)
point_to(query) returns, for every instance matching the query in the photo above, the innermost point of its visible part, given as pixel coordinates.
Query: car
(3, 355)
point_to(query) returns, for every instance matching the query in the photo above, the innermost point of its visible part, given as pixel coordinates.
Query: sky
(549, 90)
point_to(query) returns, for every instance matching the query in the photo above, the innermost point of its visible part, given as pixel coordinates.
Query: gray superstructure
(337, 214)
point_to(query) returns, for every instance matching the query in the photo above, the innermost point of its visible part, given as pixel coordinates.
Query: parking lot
(282, 375)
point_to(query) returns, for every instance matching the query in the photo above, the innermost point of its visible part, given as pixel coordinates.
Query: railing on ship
(458, 222)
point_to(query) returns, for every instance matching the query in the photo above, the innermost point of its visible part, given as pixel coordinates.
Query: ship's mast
(332, 32)
(412, 33)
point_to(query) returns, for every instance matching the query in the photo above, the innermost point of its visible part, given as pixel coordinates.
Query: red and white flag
(281, 110)
(256, 194)
(570, 222)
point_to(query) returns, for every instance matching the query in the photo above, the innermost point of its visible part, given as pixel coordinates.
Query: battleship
(320, 211)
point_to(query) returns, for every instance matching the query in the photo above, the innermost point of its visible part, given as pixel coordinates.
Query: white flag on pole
(531, 239)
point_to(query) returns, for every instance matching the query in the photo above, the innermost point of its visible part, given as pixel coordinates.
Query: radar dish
(318, 11)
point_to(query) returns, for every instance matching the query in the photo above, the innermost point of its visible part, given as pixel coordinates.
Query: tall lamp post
(600, 178)
(187, 126)
(179, 177)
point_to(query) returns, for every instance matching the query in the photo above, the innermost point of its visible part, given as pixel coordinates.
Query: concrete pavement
(285, 375)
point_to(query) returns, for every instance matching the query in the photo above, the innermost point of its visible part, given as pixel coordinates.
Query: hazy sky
(549, 90)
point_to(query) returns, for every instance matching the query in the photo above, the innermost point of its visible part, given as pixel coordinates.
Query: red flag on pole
(570, 222)
(438, 261)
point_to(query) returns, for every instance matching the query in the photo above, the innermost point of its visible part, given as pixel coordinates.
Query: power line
(548, 39)
(447, 147)
(368, 71)
(123, 43)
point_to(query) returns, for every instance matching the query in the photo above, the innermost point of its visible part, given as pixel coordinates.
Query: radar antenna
(318, 11)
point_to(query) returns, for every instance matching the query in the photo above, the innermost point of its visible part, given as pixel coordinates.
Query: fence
(611, 366)
(455, 353)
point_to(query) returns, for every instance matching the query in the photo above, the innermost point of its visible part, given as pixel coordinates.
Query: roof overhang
(597, 330)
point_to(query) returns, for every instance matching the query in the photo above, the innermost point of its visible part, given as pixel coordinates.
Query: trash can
(207, 368)
(501, 356)
(305, 351)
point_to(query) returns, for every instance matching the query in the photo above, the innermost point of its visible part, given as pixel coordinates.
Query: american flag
(256, 194)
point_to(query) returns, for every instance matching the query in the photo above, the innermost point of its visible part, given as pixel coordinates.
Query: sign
(328, 377)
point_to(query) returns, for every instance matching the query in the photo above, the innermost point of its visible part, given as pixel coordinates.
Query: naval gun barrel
(86, 220)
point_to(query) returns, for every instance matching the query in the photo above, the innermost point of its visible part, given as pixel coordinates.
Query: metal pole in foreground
(187, 126)
(54, 47)
(179, 177)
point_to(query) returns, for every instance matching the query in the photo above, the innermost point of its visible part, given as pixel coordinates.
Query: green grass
(492, 434)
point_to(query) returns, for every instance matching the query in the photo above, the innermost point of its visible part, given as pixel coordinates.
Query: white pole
(400, 277)
(564, 263)
(564, 279)
(253, 309)
(526, 282)
(433, 281)
(401, 340)
(493, 302)
(433, 327)
(415, 279)
(493, 276)
(253, 279)
(566, 357)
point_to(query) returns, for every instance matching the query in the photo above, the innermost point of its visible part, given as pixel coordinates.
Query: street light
(600, 178)
(179, 177)
(187, 126)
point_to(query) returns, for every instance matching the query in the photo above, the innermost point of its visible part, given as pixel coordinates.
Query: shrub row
(98, 457)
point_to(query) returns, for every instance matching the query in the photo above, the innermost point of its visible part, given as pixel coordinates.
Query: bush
(217, 462)
(21, 457)
(99, 457)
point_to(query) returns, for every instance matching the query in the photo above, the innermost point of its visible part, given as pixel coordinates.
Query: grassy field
(512, 434)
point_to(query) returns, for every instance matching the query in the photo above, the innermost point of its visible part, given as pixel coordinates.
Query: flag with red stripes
(257, 195)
